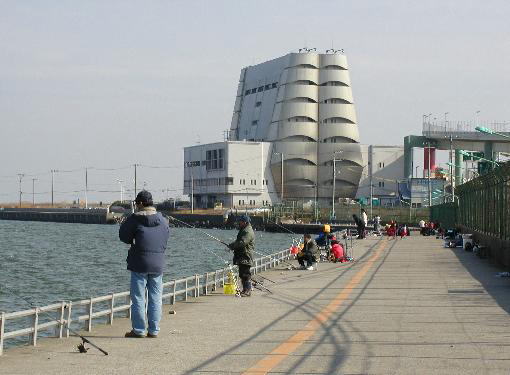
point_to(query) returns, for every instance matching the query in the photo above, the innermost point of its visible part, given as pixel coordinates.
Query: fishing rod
(81, 347)
(200, 230)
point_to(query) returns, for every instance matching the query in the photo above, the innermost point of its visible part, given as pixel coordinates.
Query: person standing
(377, 224)
(243, 248)
(360, 225)
(147, 232)
(364, 218)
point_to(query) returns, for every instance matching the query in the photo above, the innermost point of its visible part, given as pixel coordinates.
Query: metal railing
(68, 312)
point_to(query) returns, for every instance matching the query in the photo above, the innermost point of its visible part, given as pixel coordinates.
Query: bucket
(294, 250)
(229, 289)
(326, 228)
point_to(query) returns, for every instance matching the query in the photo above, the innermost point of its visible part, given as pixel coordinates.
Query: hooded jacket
(147, 232)
(243, 246)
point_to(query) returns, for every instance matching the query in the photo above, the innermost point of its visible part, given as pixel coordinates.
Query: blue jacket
(147, 232)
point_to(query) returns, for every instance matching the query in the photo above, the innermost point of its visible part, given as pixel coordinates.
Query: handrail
(68, 312)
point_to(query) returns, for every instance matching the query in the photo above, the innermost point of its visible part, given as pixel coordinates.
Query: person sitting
(308, 253)
(337, 252)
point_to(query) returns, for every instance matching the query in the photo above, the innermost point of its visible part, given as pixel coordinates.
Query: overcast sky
(107, 84)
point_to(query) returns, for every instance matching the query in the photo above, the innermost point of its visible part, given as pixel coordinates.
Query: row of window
(261, 88)
(381, 183)
(222, 181)
(242, 181)
(253, 202)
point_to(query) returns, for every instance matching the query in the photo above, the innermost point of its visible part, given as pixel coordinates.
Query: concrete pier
(404, 307)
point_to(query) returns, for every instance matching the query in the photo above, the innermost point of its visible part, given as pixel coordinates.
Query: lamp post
(416, 170)
(20, 176)
(334, 183)
(121, 190)
(33, 191)
(281, 191)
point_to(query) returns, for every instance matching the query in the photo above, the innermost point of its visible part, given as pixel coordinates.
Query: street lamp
(20, 176)
(334, 182)
(281, 191)
(121, 192)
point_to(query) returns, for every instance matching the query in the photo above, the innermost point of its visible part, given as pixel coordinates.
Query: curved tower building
(302, 103)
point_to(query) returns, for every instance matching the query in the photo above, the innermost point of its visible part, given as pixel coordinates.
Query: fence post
(89, 328)
(60, 328)
(197, 285)
(112, 304)
(173, 293)
(213, 289)
(2, 330)
(186, 289)
(223, 279)
(68, 320)
(206, 282)
(36, 324)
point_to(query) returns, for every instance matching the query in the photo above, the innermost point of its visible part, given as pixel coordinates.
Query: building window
(214, 159)
(258, 104)
(247, 92)
(253, 91)
(255, 122)
(261, 88)
(239, 202)
(267, 87)
(274, 85)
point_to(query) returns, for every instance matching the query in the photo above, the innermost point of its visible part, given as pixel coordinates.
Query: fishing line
(81, 347)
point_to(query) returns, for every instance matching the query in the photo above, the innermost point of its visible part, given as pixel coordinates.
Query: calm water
(51, 262)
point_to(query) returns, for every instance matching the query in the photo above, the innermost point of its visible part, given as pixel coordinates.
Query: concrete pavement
(404, 307)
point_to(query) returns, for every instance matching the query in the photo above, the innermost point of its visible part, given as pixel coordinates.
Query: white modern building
(383, 171)
(302, 103)
(235, 174)
(294, 113)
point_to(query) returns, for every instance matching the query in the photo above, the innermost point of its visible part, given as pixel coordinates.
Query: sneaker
(246, 293)
(132, 334)
(152, 336)
(309, 268)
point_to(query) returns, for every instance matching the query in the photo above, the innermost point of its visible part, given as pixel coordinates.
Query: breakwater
(58, 215)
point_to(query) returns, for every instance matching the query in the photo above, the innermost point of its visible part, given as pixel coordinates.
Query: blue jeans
(154, 285)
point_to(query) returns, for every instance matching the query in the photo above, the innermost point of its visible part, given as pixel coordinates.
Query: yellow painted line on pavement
(272, 360)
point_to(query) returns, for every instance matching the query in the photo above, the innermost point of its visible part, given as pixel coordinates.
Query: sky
(108, 84)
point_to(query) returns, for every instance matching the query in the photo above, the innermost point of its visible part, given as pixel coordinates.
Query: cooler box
(467, 238)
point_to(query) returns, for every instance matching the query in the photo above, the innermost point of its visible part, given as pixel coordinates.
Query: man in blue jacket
(147, 232)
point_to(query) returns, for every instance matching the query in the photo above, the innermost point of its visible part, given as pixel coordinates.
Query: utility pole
(451, 168)
(20, 176)
(33, 191)
(135, 165)
(52, 184)
(86, 188)
(371, 171)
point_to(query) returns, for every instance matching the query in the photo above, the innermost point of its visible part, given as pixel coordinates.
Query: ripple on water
(50, 262)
